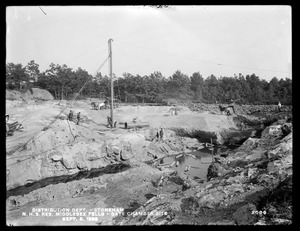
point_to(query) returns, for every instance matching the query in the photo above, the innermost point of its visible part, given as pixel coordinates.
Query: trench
(201, 136)
(25, 189)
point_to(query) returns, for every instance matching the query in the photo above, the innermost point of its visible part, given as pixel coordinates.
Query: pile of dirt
(13, 95)
(30, 94)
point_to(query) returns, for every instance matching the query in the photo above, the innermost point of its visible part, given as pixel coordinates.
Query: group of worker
(227, 111)
(71, 116)
(159, 134)
(174, 111)
(11, 127)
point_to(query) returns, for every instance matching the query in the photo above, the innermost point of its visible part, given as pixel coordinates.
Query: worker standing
(71, 115)
(161, 133)
(7, 127)
(157, 135)
(279, 106)
(243, 126)
(78, 118)
(232, 105)
(108, 121)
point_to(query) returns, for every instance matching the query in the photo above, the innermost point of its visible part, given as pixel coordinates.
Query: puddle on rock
(194, 164)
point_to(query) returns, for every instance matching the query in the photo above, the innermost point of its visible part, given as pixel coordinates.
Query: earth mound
(30, 94)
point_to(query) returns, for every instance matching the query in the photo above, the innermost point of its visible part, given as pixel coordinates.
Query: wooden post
(112, 83)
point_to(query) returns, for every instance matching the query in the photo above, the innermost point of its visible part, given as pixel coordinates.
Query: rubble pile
(239, 109)
(240, 181)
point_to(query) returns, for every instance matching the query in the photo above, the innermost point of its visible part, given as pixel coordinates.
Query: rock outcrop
(66, 149)
(247, 174)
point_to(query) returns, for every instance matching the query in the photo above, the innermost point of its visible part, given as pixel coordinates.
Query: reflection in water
(194, 164)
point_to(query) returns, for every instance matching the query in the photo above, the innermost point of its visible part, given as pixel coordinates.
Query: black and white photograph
(149, 115)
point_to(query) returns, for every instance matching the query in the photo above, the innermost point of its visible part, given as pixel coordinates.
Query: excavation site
(149, 115)
(207, 168)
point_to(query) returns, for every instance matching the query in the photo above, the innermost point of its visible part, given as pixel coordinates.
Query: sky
(219, 40)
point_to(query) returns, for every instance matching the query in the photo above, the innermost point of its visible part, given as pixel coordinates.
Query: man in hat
(279, 106)
(161, 133)
(78, 118)
(71, 115)
(109, 123)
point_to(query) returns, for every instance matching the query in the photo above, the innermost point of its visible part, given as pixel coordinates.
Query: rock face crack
(110, 169)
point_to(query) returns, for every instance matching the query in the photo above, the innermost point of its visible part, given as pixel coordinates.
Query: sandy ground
(35, 117)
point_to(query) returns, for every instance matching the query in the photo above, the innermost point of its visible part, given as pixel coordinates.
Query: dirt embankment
(30, 94)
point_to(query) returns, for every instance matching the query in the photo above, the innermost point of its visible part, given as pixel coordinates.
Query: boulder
(272, 131)
(42, 94)
(56, 158)
(69, 162)
(244, 216)
(116, 150)
(124, 155)
(256, 154)
(212, 198)
(266, 180)
(283, 148)
(190, 143)
(215, 170)
(109, 151)
(286, 128)
(250, 144)
(251, 172)
(235, 139)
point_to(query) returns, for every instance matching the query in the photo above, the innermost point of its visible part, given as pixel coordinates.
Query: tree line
(64, 82)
